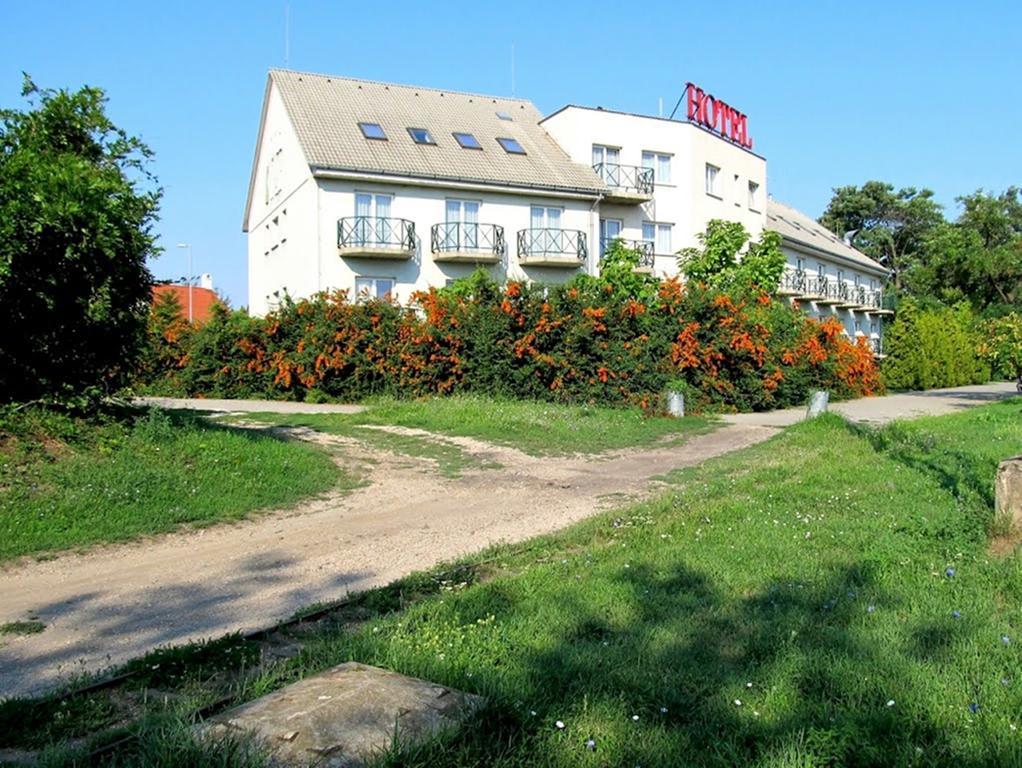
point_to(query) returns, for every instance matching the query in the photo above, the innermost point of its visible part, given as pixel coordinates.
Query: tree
(720, 263)
(1002, 345)
(888, 226)
(77, 207)
(978, 257)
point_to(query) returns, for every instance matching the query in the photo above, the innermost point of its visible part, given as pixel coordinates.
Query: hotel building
(389, 189)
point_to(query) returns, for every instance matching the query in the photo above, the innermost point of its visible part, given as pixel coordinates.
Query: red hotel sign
(717, 116)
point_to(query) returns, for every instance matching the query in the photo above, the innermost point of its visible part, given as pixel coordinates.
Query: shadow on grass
(786, 676)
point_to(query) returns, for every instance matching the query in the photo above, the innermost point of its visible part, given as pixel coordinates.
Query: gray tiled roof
(325, 112)
(795, 226)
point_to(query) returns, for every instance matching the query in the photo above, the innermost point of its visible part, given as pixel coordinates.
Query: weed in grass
(31, 627)
(176, 667)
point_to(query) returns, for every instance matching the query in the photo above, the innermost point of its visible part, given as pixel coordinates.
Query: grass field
(540, 429)
(826, 598)
(69, 482)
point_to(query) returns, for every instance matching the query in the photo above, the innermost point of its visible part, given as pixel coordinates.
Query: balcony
(468, 243)
(626, 184)
(376, 237)
(846, 295)
(643, 247)
(877, 304)
(793, 283)
(551, 247)
(828, 292)
(816, 290)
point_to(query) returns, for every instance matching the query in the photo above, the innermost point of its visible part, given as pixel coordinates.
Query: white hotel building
(386, 188)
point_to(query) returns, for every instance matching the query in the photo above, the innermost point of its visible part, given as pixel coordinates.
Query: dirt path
(115, 603)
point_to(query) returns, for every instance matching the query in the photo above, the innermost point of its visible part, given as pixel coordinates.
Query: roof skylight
(503, 115)
(421, 136)
(511, 146)
(373, 131)
(467, 141)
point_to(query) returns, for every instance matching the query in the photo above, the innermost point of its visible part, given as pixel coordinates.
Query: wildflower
(890, 702)
(1005, 639)
(974, 707)
(663, 710)
(956, 614)
(748, 685)
(560, 725)
(591, 744)
(950, 572)
(635, 718)
(871, 609)
(1005, 681)
(532, 712)
(738, 702)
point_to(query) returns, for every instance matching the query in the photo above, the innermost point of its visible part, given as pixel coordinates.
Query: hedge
(621, 338)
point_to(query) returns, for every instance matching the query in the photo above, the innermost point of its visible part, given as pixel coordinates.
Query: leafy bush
(933, 347)
(1002, 345)
(617, 338)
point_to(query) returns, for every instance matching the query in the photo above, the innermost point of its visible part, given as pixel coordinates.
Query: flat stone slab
(338, 718)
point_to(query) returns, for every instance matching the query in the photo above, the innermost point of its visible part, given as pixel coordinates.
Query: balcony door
(462, 230)
(372, 219)
(607, 160)
(610, 230)
(545, 224)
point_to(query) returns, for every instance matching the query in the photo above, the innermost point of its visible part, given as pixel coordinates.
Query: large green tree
(720, 262)
(889, 225)
(77, 208)
(978, 257)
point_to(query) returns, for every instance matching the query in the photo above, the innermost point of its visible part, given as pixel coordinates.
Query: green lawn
(540, 429)
(67, 482)
(822, 599)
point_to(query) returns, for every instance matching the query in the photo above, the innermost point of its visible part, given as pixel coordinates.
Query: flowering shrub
(591, 340)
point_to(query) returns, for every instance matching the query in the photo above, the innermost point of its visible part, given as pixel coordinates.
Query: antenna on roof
(287, 33)
(661, 107)
(512, 69)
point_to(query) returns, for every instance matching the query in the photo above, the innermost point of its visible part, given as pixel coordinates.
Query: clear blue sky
(917, 93)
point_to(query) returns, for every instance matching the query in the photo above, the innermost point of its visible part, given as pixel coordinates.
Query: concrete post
(676, 404)
(817, 404)
(1008, 491)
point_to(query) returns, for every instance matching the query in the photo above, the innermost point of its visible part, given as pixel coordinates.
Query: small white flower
(890, 702)
(738, 702)
(635, 718)
(560, 725)
(663, 710)
(590, 744)
(748, 685)
(532, 712)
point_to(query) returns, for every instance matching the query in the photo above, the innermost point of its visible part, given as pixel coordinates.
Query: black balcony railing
(643, 247)
(817, 287)
(858, 295)
(794, 281)
(874, 300)
(376, 232)
(552, 242)
(462, 237)
(629, 178)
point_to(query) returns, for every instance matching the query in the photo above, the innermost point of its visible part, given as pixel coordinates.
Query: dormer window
(420, 136)
(467, 141)
(511, 146)
(373, 131)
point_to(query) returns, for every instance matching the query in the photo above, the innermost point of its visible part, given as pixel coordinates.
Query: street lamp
(189, 247)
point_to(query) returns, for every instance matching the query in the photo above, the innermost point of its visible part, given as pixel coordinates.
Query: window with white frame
(659, 234)
(753, 196)
(374, 287)
(462, 228)
(661, 165)
(543, 217)
(874, 327)
(610, 230)
(606, 163)
(712, 180)
(372, 218)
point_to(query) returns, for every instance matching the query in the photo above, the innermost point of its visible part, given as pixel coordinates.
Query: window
(420, 136)
(605, 162)
(659, 235)
(373, 131)
(753, 196)
(610, 230)
(858, 326)
(712, 172)
(462, 229)
(542, 217)
(467, 141)
(374, 287)
(874, 327)
(511, 146)
(372, 219)
(821, 269)
(661, 165)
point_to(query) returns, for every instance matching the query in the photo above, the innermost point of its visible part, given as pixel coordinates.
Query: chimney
(206, 281)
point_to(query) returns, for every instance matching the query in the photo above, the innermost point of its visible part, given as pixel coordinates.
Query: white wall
(281, 220)
(425, 206)
(683, 202)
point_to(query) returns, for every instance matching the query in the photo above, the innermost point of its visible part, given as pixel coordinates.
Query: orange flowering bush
(618, 339)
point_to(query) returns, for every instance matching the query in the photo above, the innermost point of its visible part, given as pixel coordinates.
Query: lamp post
(189, 247)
